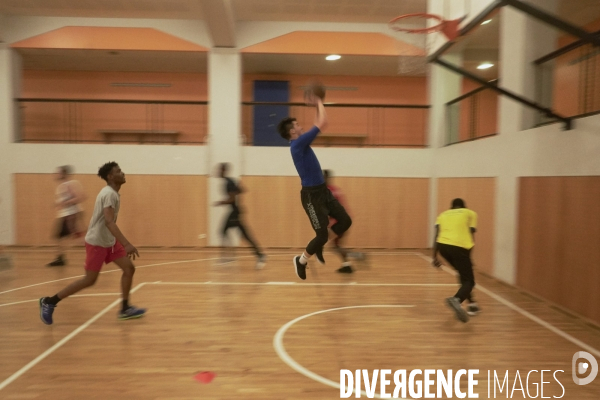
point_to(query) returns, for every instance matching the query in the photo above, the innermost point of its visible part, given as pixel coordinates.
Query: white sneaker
(454, 304)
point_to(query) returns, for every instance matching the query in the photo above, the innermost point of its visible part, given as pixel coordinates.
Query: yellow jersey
(455, 227)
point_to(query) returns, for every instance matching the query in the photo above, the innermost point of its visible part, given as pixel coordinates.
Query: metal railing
(44, 120)
(568, 80)
(353, 125)
(473, 115)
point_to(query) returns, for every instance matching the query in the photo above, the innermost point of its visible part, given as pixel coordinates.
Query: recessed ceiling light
(333, 57)
(485, 65)
(487, 21)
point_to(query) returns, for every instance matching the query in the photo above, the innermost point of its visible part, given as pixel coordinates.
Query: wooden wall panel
(386, 212)
(479, 195)
(558, 256)
(156, 210)
(273, 212)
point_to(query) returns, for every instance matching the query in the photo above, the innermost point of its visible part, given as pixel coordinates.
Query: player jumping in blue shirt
(317, 200)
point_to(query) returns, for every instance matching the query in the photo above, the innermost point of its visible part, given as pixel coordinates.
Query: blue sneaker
(132, 312)
(46, 311)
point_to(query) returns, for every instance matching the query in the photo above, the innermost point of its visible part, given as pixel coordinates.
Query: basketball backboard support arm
(475, 22)
(491, 85)
(554, 21)
(563, 50)
(543, 16)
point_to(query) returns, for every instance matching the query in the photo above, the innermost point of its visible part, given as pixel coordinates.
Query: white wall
(354, 162)
(6, 137)
(32, 158)
(224, 128)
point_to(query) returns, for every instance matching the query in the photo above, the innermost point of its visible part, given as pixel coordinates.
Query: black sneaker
(454, 304)
(131, 312)
(58, 262)
(320, 257)
(473, 309)
(299, 268)
(346, 269)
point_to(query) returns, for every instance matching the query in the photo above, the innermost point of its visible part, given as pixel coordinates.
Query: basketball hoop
(411, 35)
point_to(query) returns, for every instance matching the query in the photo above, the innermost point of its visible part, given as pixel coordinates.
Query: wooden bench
(329, 138)
(142, 134)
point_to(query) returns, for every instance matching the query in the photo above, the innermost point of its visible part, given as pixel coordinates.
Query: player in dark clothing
(233, 220)
(317, 200)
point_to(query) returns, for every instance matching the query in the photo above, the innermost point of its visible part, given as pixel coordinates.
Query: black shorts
(458, 257)
(67, 226)
(319, 204)
(233, 220)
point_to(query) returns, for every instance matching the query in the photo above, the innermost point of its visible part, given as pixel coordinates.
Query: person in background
(69, 196)
(234, 220)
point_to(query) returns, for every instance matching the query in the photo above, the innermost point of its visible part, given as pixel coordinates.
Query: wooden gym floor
(245, 326)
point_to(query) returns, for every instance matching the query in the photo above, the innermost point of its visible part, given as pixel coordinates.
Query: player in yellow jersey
(454, 239)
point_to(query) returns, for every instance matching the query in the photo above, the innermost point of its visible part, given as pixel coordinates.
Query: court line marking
(75, 295)
(527, 314)
(115, 270)
(298, 284)
(179, 262)
(301, 369)
(285, 357)
(252, 284)
(61, 342)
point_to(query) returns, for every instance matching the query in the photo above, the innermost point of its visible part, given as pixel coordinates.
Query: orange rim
(431, 29)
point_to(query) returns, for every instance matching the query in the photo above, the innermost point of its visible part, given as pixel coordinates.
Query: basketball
(317, 89)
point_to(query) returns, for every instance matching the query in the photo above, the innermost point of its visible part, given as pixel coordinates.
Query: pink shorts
(97, 256)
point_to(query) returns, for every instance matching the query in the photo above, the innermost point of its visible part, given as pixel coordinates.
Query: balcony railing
(186, 122)
(111, 121)
(473, 115)
(351, 125)
(568, 80)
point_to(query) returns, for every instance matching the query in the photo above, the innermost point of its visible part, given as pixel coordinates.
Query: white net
(413, 48)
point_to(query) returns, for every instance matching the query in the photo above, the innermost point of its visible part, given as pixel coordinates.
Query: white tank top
(65, 191)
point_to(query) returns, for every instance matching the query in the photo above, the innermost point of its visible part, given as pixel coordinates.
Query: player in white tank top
(69, 195)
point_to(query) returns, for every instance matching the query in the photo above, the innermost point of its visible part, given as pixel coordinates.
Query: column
(522, 40)
(444, 85)
(224, 129)
(10, 75)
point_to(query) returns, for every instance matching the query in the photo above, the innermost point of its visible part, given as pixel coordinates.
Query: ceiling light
(487, 21)
(333, 57)
(485, 65)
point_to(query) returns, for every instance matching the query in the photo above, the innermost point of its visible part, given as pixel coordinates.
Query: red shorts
(97, 256)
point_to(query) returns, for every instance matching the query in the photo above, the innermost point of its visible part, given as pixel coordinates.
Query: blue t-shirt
(305, 160)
